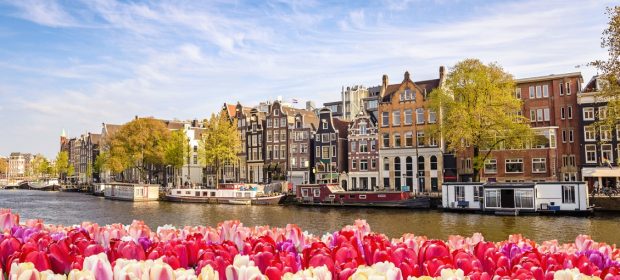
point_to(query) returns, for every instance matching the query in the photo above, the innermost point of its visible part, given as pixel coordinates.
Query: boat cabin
(532, 197)
(333, 193)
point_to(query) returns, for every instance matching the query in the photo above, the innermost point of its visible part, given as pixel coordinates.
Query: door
(507, 199)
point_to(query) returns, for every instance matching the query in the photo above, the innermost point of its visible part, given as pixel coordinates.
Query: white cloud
(44, 12)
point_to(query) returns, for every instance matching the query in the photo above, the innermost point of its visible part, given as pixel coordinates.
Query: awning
(600, 172)
(331, 176)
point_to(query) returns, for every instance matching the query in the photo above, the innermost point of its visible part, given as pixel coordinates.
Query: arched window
(397, 173)
(409, 173)
(433, 163)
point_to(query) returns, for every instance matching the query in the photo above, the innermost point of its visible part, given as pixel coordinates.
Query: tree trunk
(476, 175)
(217, 174)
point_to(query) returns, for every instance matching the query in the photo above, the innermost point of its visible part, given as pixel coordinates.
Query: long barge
(235, 194)
(332, 195)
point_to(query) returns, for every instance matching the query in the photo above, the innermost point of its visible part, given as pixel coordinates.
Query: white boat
(239, 194)
(131, 192)
(517, 198)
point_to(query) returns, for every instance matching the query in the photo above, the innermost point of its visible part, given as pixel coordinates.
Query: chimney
(407, 76)
(442, 72)
(384, 85)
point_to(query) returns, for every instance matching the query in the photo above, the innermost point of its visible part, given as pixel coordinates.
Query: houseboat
(334, 195)
(98, 189)
(517, 198)
(50, 184)
(239, 194)
(131, 192)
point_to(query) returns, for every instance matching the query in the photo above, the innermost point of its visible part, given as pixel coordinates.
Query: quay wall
(606, 203)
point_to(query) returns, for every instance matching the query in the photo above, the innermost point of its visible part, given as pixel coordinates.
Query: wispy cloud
(44, 12)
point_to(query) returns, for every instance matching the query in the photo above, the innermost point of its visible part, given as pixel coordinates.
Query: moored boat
(334, 195)
(238, 194)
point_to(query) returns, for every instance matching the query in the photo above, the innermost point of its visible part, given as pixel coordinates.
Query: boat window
(197, 194)
(178, 192)
(238, 194)
(524, 198)
(212, 193)
(568, 194)
(331, 196)
(477, 193)
(459, 193)
(381, 195)
(341, 196)
(304, 192)
(247, 194)
(491, 198)
(317, 192)
(187, 192)
(205, 193)
(362, 196)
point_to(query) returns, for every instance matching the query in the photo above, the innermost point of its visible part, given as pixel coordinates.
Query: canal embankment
(605, 203)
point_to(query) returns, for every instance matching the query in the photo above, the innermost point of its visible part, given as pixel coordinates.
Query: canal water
(72, 208)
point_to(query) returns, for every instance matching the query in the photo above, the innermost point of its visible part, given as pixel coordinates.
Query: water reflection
(72, 208)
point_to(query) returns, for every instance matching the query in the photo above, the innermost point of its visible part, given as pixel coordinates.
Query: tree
(4, 165)
(61, 164)
(70, 170)
(220, 143)
(40, 166)
(177, 150)
(478, 108)
(138, 144)
(609, 70)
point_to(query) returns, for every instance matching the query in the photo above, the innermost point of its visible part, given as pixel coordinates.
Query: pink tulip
(99, 266)
(161, 271)
(8, 219)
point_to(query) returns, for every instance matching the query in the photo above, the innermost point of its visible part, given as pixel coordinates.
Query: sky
(76, 64)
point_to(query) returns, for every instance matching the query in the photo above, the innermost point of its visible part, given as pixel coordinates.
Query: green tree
(4, 165)
(478, 107)
(62, 163)
(177, 150)
(220, 143)
(40, 166)
(138, 144)
(609, 70)
(70, 170)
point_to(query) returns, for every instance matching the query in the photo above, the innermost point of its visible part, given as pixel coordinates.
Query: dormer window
(276, 113)
(324, 124)
(363, 128)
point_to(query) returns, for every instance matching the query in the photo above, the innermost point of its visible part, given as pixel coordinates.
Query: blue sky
(77, 63)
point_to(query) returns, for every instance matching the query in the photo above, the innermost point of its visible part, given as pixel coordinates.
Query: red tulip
(7, 247)
(39, 259)
(130, 250)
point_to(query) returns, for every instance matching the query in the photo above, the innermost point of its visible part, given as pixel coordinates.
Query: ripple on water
(73, 208)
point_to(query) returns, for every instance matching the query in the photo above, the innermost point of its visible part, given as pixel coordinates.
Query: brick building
(301, 150)
(409, 159)
(363, 153)
(255, 147)
(550, 103)
(331, 155)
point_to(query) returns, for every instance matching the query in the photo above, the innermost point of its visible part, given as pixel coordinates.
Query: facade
(255, 148)
(301, 147)
(242, 116)
(550, 103)
(601, 151)
(350, 104)
(330, 146)
(409, 159)
(363, 142)
(276, 143)
(19, 165)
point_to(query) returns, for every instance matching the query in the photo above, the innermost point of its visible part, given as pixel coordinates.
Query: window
(363, 165)
(373, 145)
(569, 112)
(514, 165)
(605, 133)
(532, 115)
(317, 192)
(420, 139)
(276, 152)
(353, 164)
(195, 159)
(268, 123)
(602, 113)
(432, 141)
(373, 164)
(545, 90)
(324, 123)
(363, 146)
(589, 133)
(459, 193)
(518, 93)
(562, 114)
(386, 140)
(293, 162)
(532, 92)
(539, 115)
(408, 139)
(333, 136)
(363, 128)
(571, 137)
(538, 92)
(385, 119)
(491, 198)
(607, 154)
(317, 153)
(539, 165)
(588, 114)
(419, 115)
(269, 152)
(408, 116)
(563, 136)
(283, 136)
(568, 88)
(477, 193)
(386, 164)
(333, 151)
(432, 116)
(546, 114)
(353, 146)
(524, 198)
(396, 118)
(396, 140)
(283, 122)
(490, 166)
(325, 152)
(568, 194)
(590, 153)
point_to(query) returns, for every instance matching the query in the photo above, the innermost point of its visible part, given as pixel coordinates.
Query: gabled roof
(342, 127)
(426, 85)
(549, 77)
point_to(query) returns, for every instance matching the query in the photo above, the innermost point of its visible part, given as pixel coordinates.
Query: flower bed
(33, 250)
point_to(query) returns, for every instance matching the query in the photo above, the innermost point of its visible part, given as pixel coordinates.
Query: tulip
(207, 273)
(24, 271)
(99, 266)
(81, 275)
(49, 275)
(243, 269)
(8, 219)
(161, 271)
